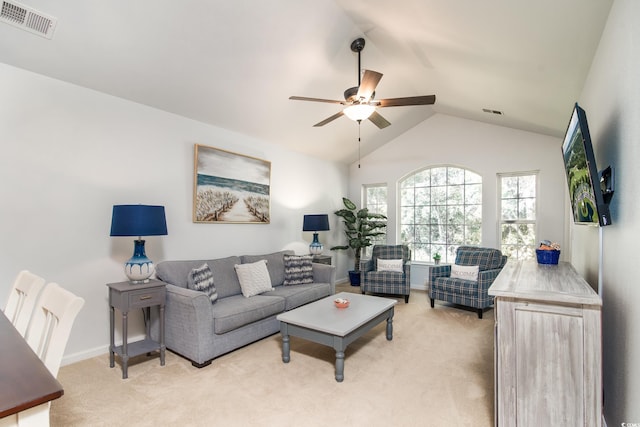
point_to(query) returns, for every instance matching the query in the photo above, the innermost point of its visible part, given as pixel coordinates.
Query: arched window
(440, 209)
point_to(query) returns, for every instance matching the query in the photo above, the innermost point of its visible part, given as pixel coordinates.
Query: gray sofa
(201, 331)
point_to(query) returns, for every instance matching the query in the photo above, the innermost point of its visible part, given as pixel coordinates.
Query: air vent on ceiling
(490, 111)
(27, 18)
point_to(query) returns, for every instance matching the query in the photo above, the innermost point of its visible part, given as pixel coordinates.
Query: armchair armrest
(407, 271)
(439, 271)
(366, 265)
(486, 278)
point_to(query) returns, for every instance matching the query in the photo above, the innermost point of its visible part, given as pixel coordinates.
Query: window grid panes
(375, 199)
(440, 209)
(518, 215)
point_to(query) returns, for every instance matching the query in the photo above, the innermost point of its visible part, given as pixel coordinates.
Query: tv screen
(585, 194)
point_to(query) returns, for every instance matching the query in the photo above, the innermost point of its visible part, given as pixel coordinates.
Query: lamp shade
(315, 223)
(138, 220)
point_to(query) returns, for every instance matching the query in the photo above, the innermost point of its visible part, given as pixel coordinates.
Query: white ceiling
(234, 63)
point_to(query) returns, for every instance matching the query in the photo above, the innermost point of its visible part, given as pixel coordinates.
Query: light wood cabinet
(548, 347)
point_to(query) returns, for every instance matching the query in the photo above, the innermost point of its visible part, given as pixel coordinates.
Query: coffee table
(322, 322)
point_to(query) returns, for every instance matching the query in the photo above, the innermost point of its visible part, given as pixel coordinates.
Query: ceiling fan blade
(370, 80)
(304, 98)
(378, 120)
(409, 100)
(329, 119)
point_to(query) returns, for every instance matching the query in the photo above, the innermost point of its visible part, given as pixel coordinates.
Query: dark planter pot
(354, 278)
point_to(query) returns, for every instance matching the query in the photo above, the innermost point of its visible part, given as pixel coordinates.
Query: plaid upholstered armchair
(457, 284)
(388, 271)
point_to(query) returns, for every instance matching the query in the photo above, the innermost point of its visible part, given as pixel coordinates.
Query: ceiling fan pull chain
(359, 121)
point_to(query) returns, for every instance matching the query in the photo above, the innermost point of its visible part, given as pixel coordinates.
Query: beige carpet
(437, 371)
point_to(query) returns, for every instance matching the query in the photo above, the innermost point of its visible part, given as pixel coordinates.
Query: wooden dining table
(25, 381)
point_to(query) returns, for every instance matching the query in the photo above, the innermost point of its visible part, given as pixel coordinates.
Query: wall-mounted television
(585, 193)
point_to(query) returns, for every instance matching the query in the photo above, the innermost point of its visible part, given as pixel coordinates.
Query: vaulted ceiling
(234, 64)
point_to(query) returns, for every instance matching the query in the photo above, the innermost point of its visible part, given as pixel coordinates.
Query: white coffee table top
(323, 315)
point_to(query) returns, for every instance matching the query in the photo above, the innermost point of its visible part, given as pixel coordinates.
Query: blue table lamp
(315, 223)
(138, 220)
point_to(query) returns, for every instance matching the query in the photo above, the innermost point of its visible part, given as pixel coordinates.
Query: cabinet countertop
(543, 282)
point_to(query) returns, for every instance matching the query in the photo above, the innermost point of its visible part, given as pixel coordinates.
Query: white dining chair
(50, 326)
(47, 335)
(22, 299)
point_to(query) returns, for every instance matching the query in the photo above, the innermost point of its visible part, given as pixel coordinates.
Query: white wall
(487, 150)
(69, 154)
(611, 99)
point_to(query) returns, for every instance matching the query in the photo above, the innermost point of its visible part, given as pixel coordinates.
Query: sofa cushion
(225, 278)
(298, 295)
(176, 272)
(298, 269)
(237, 311)
(201, 279)
(224, 274)
(275, 264)
(254, 278)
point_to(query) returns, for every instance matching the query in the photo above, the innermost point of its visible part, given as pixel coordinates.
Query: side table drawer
(146, 298)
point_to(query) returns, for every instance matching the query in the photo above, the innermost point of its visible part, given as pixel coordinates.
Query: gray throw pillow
(298, 269)
(201, 279)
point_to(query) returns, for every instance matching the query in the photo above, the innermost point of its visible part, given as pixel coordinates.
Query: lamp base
(315, 248)
(139, 268)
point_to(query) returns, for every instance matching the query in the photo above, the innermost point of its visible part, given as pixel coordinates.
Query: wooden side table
(322, 259)
(125, 296)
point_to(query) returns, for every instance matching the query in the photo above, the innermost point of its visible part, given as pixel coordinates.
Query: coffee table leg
(285, 343)
(390, 326)
(339, 366)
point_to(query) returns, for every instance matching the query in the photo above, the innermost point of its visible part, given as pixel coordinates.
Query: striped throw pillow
(298, 269)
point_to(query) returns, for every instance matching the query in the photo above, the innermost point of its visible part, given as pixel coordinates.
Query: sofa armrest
(188, 322)
(325, 273)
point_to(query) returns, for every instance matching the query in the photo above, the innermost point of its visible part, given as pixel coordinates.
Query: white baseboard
(93, 352)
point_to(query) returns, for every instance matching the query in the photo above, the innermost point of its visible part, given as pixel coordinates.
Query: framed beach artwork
(230, 187)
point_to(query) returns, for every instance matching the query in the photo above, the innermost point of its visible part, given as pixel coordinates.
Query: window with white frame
(440, 209)
(518, 214)
(374, 198)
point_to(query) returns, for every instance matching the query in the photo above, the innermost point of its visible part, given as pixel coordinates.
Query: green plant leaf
(349, 204)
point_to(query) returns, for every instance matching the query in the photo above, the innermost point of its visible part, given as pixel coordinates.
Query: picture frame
(230, 187)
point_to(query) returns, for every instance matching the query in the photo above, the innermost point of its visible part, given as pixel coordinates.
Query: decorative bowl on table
(341, 302)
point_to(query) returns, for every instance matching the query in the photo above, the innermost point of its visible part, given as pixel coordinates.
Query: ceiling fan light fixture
(359, 112)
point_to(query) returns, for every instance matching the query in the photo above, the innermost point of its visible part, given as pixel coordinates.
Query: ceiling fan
(359, 100)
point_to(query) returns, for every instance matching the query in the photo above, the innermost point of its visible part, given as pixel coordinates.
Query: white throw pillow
(390, 265)
(466, 272)
(254, 278)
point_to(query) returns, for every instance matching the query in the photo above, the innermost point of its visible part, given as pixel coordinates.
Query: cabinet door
(549, 365)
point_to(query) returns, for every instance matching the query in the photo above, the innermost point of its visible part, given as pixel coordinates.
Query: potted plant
(360, 226)
(436, 258)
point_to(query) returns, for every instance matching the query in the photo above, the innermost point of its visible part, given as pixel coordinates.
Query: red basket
(547, 257)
